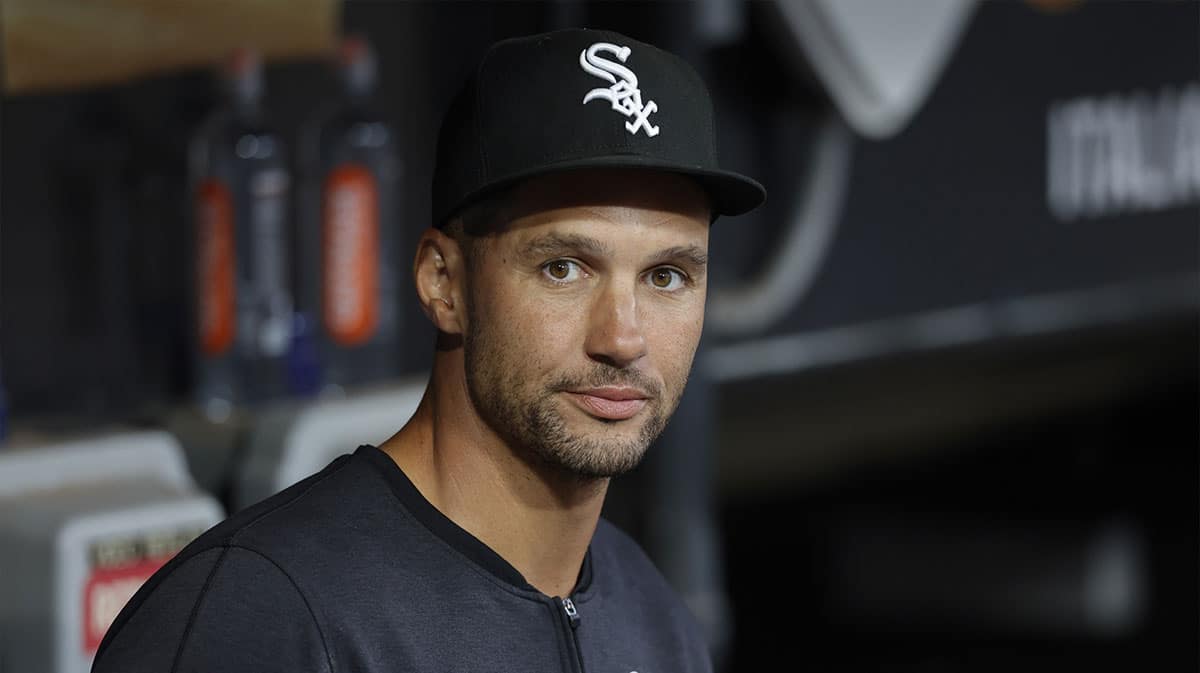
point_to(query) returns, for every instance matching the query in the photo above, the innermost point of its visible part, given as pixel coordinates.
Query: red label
(106, 591)
(350, 286)
(215, 272)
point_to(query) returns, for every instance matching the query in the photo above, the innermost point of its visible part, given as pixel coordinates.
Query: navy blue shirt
(353, 570)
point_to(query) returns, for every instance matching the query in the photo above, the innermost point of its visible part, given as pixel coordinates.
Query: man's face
(585, 309)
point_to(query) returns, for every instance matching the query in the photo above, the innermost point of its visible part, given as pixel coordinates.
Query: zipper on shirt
(573, 619)
(572, 613)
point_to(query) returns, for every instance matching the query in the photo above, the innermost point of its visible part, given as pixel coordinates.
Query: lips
(615, 404)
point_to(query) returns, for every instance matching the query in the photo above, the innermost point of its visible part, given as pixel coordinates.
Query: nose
(615, 334)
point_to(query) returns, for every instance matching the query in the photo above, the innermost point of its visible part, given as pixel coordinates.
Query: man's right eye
(561, 270)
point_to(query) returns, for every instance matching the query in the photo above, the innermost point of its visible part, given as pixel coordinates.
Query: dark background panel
(953, 210)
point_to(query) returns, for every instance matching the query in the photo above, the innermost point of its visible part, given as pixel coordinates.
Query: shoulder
(247, 578)
(223, 608)
(307, 522)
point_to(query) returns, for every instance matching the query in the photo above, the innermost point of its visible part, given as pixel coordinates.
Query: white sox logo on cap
(624, 94)
(489, 140)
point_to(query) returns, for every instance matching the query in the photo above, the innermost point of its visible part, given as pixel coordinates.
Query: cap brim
(729, 193)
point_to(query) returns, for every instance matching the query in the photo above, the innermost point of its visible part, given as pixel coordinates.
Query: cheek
(551, 330)
(674, 334)
(535, 336)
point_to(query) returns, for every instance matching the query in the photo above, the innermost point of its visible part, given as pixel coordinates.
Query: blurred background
(946, 413)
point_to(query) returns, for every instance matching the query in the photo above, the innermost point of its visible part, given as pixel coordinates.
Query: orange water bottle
(240, 186)
(354, 230)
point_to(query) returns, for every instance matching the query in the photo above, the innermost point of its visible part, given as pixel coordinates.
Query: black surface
(1129, 451)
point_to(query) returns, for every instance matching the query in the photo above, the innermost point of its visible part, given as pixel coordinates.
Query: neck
(536, 517)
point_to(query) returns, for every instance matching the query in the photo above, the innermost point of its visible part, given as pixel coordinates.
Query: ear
(439, 274)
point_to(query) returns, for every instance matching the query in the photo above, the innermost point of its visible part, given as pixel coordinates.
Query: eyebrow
(559, 243)
(693, 254)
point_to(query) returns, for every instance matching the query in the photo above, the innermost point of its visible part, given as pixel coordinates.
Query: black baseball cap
(574, 99)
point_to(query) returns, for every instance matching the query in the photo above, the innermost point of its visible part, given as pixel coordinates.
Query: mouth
(611, 403)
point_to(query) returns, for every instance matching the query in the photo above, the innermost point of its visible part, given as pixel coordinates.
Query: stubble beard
(531, 421)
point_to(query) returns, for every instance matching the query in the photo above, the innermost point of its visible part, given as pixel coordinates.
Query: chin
(604, 466)
(596, 454)
(574, 442)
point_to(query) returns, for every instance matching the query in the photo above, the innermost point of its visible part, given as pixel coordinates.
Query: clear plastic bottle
(240, 184)
(352, 228)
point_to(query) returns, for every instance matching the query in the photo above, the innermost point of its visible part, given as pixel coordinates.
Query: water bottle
(240, 186)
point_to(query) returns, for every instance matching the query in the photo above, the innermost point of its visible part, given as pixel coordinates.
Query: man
(575, 185)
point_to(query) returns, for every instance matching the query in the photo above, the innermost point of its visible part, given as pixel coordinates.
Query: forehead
(637, 202)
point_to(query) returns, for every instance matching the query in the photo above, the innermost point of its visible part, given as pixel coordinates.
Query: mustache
(608, 376)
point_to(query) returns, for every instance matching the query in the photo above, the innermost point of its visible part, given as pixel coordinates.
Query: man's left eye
(666, 278)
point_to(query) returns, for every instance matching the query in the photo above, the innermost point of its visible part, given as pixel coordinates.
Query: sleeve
(227, 609)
